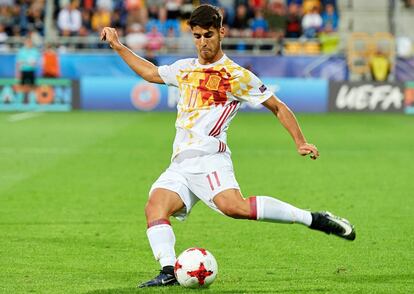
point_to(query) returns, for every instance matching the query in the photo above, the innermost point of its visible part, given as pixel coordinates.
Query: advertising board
(366, 97)
(47, 95)
(107, 93)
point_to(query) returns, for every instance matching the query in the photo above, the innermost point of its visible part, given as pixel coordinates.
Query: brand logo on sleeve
(262, 88)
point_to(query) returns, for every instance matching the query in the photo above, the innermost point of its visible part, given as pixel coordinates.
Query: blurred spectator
(35, 19)
(37, 38)
(408, 3)
(159, 20)
(155, 40)
(293, 22)
(173, 28)
(308, 6)
(259, 25)
(250, 18)
(50, 63)
(312, 23)
(20, 12)
(118, 20)
(69, 20)
(297, 2)
(88, 5)
(275, 16)
(186, 8)
(135, 37)
(27, 60)
(380, 66)
(240, 25)
(329, 19)
(107, 5)
(168, 27)
(100, 19)
(152, 11)
(119, 4)
(173, 42)
(257, 4)
(332, 2)
(3, 39)
(329, 42)
(86, 16)
(6, 3)
(404, 47)
(211, 2)
(173, 8)
(134, 4)
(6, 19)
(136, 12)
(228, 7)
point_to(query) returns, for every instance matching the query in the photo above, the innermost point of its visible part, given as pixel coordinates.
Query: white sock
(269, 209)
(162, 240)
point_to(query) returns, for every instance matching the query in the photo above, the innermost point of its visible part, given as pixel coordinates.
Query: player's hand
(308, 149)
(111, 36)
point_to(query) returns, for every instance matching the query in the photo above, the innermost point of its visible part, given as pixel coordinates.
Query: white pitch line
(23, 116)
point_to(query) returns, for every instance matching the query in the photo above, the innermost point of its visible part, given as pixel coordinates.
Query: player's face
(208, 43)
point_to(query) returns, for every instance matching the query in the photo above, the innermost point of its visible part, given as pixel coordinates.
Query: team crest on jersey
(213, 82)
(214, 86)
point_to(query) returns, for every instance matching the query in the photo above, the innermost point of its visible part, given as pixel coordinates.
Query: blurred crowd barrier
(75, 66)
(107, 93)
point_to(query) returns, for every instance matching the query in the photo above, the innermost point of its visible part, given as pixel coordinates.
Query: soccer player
(212, 88)
(27, 61)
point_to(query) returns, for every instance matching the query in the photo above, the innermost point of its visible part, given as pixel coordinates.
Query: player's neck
(216, 58)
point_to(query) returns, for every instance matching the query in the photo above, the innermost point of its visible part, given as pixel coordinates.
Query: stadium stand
(254, 26)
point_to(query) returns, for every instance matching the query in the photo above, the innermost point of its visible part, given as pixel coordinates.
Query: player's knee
(148, 209)
(152, 208)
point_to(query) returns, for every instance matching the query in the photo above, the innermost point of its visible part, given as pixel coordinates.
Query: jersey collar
(211, 64)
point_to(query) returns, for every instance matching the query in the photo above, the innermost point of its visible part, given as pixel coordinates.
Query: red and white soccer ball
(195, 268)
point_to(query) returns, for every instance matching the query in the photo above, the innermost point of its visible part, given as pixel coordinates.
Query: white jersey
(210, 96)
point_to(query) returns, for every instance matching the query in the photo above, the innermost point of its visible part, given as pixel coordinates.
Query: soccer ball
(195, 268)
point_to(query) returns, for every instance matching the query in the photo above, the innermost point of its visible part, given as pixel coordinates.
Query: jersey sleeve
(169, 73)
(249, 88)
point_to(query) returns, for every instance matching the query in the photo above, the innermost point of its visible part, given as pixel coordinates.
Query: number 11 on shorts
(215, 182)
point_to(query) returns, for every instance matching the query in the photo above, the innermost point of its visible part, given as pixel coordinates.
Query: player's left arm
(289, 121)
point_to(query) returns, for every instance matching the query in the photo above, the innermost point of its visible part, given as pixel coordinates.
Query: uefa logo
(145, 96)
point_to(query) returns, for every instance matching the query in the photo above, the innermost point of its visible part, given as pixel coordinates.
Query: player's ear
(222, 31)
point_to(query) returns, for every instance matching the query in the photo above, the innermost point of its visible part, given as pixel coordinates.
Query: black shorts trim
(28, 78)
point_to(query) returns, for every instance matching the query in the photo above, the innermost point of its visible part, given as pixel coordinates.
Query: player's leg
(269, 209)
(161, 205)
(262, 208)
(169, 196)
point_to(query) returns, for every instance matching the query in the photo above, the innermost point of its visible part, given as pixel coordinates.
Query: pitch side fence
(134, 94)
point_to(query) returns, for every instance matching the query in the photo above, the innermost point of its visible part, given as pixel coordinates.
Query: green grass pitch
(73, 188)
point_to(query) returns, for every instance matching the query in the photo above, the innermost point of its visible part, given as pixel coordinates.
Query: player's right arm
(141, 66)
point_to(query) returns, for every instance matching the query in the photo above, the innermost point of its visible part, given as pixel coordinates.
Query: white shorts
(198, 178)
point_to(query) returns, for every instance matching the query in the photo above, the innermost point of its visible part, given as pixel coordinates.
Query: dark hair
(206, 16)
